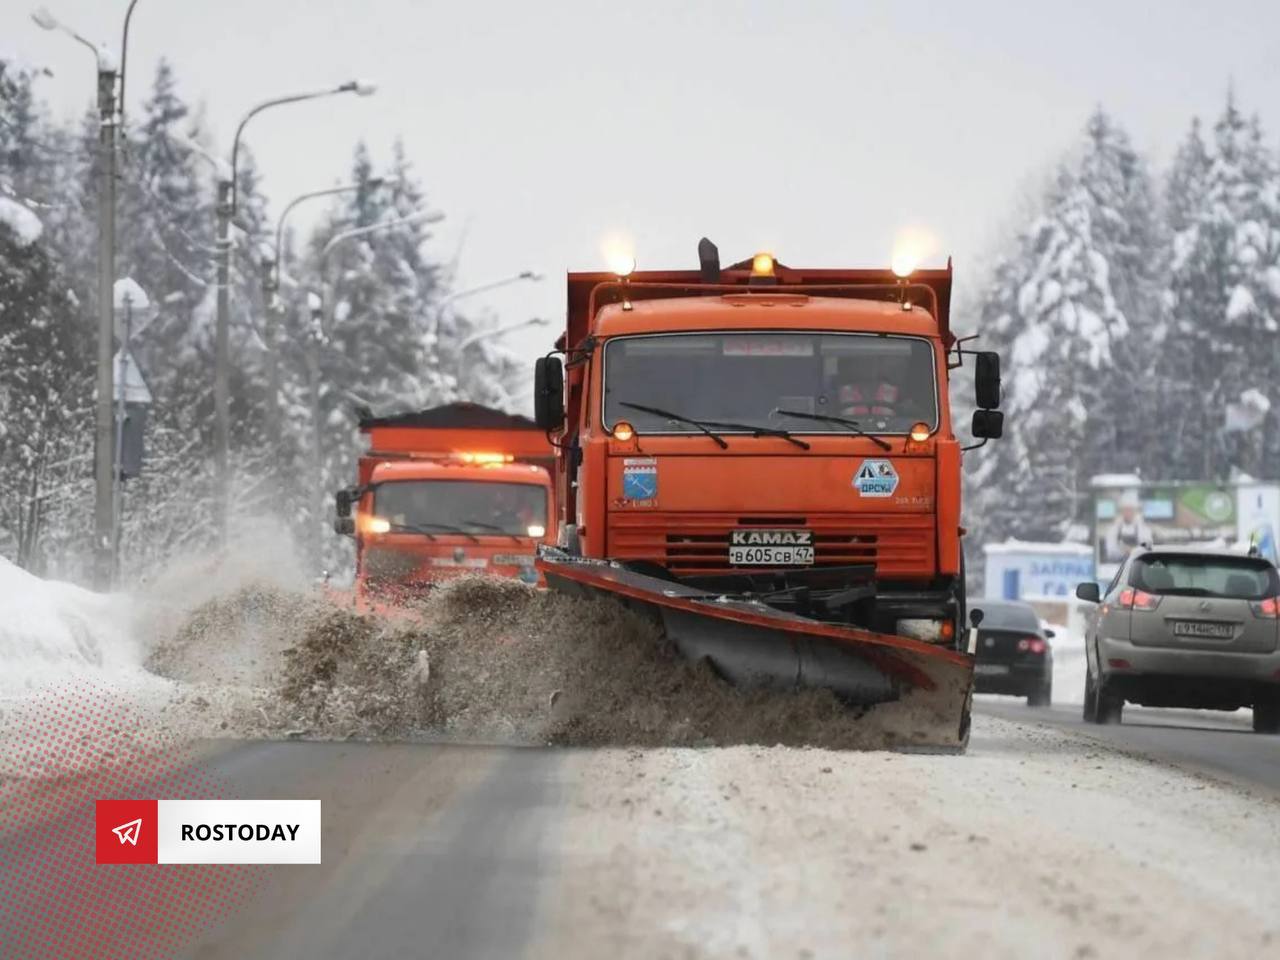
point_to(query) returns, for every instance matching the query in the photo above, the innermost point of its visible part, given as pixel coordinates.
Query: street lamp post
(104, 433)
(226, 208)
(490, 335)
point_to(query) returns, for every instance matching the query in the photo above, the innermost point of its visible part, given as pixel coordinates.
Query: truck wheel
(1110, 705)
(1266, 715)
(1090, 712)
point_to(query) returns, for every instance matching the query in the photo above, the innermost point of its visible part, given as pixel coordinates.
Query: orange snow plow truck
(455, 489)
(762, 457)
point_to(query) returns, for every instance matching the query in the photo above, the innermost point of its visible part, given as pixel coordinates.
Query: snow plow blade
(753, 644)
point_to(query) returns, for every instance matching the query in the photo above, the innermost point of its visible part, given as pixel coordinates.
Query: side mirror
(548, 393)
(976, 616)
(342, 501)
(986, 380)
(988, 424)
(1088, 592)
(344, 526)
(1049, 634)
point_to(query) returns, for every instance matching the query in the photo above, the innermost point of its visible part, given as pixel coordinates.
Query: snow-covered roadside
(67, 651)
(1068, 665)
(1035, 843)
(52, 633)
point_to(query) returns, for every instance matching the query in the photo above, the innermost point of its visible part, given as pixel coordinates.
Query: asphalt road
(439, 850)
(1222, 745)
(429, 851)
(434, 850)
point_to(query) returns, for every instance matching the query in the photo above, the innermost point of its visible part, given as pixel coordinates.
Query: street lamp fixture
(530, 275)
(491, 335)
(102, 53)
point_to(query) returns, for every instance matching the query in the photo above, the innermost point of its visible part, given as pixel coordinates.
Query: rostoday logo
(208, 831)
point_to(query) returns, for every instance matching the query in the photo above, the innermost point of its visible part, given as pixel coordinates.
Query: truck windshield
(477, 507)
(885, 384)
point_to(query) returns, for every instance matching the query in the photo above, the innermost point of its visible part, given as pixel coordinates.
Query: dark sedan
(1013, 652)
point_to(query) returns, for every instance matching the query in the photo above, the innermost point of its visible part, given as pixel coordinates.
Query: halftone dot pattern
(83, 743)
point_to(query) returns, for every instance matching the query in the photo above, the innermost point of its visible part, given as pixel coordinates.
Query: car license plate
(991, 669)
(771, 548)
(1199, 628)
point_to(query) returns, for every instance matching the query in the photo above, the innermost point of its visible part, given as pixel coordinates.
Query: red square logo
(125, 831)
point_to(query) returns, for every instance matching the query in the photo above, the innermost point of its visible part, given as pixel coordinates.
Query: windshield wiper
(761, 432)
(851, 424)
(427, 528)
(678, 418)
(494, 527)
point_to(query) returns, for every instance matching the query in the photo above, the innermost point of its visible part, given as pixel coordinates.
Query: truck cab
(771, 432)
(445, 492)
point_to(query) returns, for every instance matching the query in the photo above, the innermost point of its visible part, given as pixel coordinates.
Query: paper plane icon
(128, 832)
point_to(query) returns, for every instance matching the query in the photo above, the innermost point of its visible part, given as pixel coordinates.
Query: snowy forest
(1136, 312)
(370, 345)
(1135, 304)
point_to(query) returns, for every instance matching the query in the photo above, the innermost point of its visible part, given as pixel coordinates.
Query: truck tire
(1266, 715)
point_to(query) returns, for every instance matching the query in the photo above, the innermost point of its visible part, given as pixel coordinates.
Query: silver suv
(1185, 628)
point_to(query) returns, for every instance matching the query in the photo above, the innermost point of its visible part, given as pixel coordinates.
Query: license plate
(771, 548)
(1198, 628)
(991, 669)
(771, 556)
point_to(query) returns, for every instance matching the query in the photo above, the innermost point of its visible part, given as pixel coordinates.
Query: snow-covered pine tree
(165, 242)
(1068, 308)
(1224, 296)
(45, 382)
(45, 372)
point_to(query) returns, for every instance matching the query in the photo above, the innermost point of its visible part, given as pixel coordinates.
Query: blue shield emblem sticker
(876, 478)
(640, 478)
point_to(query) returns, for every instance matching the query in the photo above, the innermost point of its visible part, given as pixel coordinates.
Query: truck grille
(899, 545)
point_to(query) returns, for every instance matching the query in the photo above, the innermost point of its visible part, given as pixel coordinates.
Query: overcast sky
(817, 130)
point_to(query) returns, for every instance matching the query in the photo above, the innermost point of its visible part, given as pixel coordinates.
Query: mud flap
(753, 644)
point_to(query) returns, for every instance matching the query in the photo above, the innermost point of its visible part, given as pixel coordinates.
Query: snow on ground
(61, 645)
(52, 632)
(1068, 665)
(1036, 843)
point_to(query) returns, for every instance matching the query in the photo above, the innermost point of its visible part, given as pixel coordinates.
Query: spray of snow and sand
(242, 645)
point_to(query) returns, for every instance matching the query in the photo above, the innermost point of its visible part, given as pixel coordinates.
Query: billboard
(1160, 515)
(1017, 570)
(1258, 518)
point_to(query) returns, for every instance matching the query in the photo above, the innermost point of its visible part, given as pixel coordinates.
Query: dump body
(445, 492)
(821, 479)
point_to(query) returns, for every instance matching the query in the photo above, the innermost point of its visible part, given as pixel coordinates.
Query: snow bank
(26, 226)
(52, 632)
